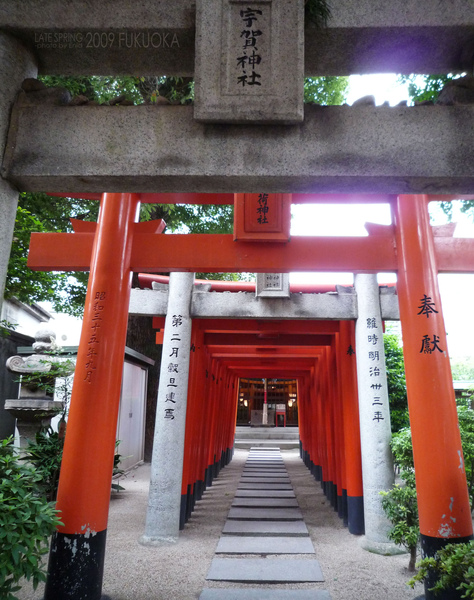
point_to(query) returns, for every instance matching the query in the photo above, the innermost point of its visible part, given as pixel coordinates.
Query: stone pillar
(16, 64)
(374, 414)
(164, 500)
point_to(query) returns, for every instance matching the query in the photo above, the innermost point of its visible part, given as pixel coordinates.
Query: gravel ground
(178, 571)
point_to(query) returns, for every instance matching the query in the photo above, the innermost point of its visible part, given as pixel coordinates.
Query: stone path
(265, 519)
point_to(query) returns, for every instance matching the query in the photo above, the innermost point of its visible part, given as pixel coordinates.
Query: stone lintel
(163, 149)
(408, 37)
(245, 306)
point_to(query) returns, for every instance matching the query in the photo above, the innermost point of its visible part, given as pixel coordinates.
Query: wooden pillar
(443, 501)
(78, 548)
(348, 375)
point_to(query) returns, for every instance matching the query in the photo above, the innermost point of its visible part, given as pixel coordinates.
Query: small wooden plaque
(262, 217)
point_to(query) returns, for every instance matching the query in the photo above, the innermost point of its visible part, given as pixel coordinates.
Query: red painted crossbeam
(219, 253)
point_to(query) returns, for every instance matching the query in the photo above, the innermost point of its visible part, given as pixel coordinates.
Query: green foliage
(402, 450)
(400, 506)
(326, 90)
(466, 427)
(202, 218)
(66, 291)
(47, 381)
(425, 87)
(55, 212)
(463, 368)
(396, 384)
(97, 89)
(452, 568)
(400, 503)
(6, 328)
(45, 455)
(138, 90)
(317, 12)
(27, 520)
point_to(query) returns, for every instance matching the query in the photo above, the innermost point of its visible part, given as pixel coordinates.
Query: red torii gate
(119, 246)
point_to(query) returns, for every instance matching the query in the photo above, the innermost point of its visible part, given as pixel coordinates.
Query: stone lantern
(36, 406)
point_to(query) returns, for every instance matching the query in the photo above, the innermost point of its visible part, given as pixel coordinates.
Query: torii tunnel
(314, 353)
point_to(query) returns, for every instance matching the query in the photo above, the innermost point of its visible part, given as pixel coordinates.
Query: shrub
(27, 520)
(45, 455)
(452, 567)
(401, 508)
(400, 503)
(466, 427)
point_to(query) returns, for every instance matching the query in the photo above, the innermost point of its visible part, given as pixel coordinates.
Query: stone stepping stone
(259, 473)
(262, 594)
(266, 468)
(265, 457)
(261, 465)
(265, 570)
(234, 544)
(274, 480)
(266, 502)
(271, 528)
(265, 494)
(265, 514)
(264, 485)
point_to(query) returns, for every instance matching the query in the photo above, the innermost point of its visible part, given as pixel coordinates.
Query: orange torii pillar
(353, 461)
(164, 499)
(443, 502)
(77, 554)
(193, 483)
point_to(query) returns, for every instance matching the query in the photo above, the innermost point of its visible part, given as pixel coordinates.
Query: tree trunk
(411, 564)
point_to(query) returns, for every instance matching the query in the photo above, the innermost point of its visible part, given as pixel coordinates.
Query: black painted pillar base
(340, 506)
(318, 473)
(429, 547)
(76, 566)
(344, 508)
(355, 515)
(208, 476)
(201, 488)
(182, 511)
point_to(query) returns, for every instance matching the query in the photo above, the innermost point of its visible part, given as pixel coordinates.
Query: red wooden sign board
(262, 217)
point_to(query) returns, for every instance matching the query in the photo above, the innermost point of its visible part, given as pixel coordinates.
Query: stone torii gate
(408, 248)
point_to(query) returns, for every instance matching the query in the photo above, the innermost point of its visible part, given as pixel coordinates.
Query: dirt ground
(178, 571)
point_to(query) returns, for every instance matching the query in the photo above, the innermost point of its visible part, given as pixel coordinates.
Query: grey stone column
(164, 500)
(374, 414)
(16, 64)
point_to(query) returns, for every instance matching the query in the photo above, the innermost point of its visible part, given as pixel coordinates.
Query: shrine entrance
(332, 446)
(282, 399)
